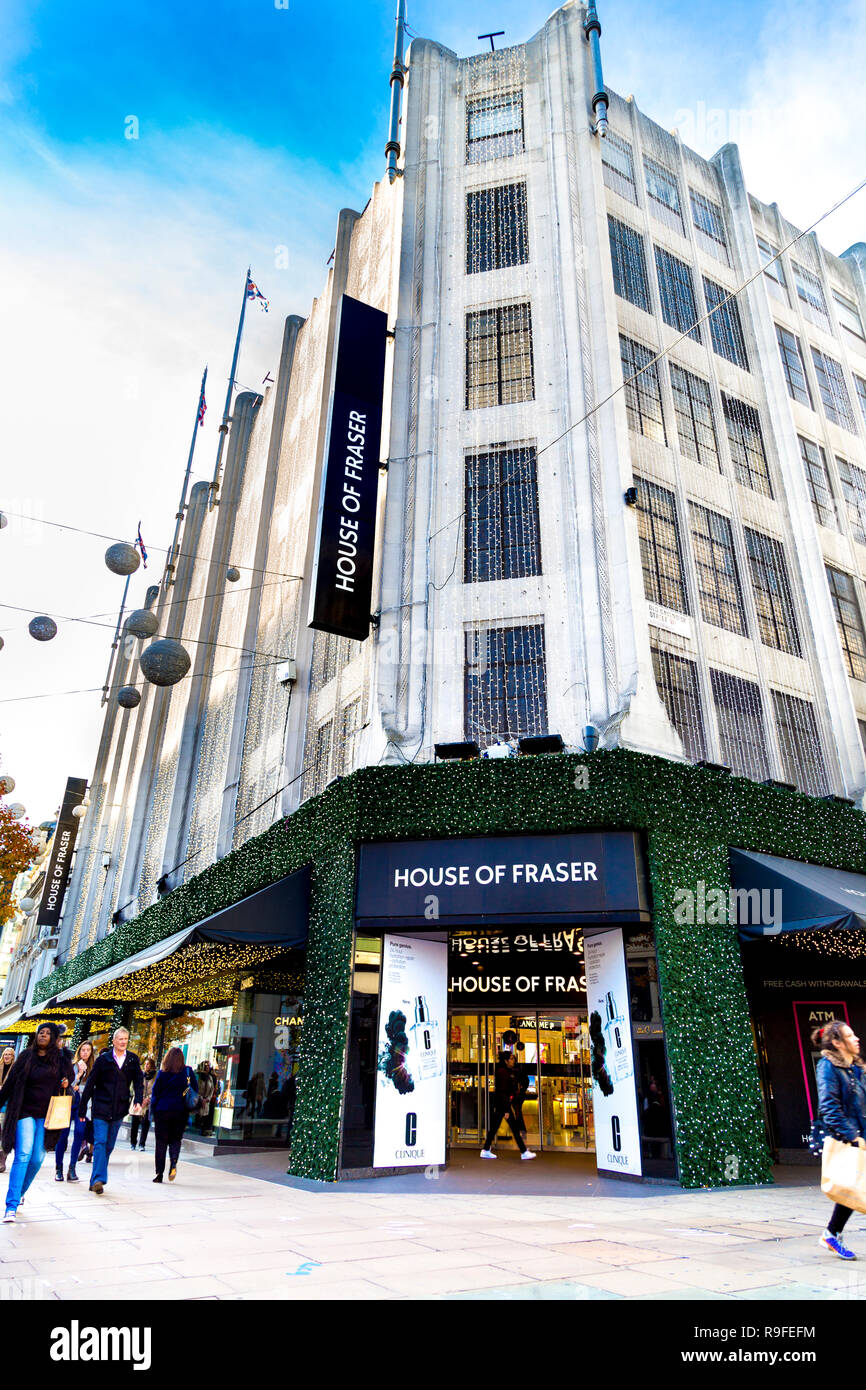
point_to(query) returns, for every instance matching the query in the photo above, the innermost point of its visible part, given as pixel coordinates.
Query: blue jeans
(29, 1153)
(105, 1134)
(77, 1129)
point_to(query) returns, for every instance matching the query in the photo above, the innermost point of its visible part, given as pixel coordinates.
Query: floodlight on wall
(287, 672)
(447, 751)
(630, 497)
(590, 738)
(839, 800)
(780, 786)
(540, 743)
(712, 767)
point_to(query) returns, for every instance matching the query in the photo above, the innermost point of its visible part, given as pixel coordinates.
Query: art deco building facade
(625, 438)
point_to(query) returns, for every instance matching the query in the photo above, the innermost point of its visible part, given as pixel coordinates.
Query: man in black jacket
(114, 1072)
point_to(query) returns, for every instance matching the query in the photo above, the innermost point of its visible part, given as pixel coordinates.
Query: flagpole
(107, 684)
(224, 427)
(171, 558)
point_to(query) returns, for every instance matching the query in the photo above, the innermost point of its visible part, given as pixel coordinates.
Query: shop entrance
(555, 1059)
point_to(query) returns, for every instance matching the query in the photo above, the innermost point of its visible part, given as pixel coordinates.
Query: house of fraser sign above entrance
(501, 880)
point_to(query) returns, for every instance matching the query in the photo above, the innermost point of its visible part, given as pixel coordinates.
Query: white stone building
(530, 269)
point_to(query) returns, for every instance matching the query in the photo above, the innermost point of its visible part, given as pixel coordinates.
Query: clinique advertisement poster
(614, 1094)
(411, 1081)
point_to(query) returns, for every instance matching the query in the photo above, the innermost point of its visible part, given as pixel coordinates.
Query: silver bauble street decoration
(7, 785)
(27, 904)
(122, 558)
(128, 697)
(2, 644)
(233, 574)
(17, 810)
(142, 623)
(42, 628)
(4, 520)
(164, 662)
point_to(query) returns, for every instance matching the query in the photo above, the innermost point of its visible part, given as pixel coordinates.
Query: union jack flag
(140, 543)
(253, 292)
(202, 406)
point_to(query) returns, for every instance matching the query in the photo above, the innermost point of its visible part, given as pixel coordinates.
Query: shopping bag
(59, 1113)
(843, 1174)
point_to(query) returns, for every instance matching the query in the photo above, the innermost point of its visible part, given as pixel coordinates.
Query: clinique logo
(77, 1343)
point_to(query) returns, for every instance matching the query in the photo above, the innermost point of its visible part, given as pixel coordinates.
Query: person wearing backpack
(175, 1086)
(841, 1075)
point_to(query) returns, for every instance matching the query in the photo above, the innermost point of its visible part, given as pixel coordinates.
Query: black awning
(278, 915)
(810, 896)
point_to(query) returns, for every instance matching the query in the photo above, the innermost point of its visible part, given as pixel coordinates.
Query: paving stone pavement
(222, 1234)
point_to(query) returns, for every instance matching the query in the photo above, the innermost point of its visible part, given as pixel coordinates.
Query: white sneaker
(485, 1153)
(527, 1153)
(8, 1218)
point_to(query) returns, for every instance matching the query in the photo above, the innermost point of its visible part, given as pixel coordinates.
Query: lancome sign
(502, 880)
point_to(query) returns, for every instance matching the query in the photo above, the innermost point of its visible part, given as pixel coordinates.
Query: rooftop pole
(398, 73)
(592, 29)
(171, 558)
(224, 427)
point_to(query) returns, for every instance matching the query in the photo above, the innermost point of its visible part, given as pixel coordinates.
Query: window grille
(793, 366)
(849, 315)
(726, 331)
(740, 717)
(773, 597)
(663, 192)
(677, 683)
(494, 126)
(660, 548)
(834, 392)
(853, 481)
(499, 356)
(629, 264)
(496, 228)
(719, 587)
(643, 395)
(820, 488)
(849, 621)
(811, 295)
(505, 684)
(693, 408)
(502, 539)
(802, 755)
(677, 292)
(774, 273)
(617, 166)
(747, 445)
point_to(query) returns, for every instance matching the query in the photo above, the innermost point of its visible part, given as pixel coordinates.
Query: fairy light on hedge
(690, 815)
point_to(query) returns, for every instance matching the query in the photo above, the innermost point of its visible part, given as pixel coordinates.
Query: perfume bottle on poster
(615, 1030)
(424, 1042)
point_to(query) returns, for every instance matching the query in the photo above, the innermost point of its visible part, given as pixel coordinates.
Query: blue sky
(122, 261)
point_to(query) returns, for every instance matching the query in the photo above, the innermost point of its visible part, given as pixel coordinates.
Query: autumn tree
(18, 849)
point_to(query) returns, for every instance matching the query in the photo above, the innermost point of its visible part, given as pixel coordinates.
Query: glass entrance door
(565, 1083)
(553, 1058)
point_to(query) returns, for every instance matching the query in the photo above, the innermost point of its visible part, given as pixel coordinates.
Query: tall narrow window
(505, 684)
(319, 771)
(643, 394)
(502, 536)
(677, 682)
(707, 216)
(350, 731)
(663, 192)
(773, 597)
(629, 264)
(853, 481)
(660, 549)
(820, 490)
(679, 307)
(499, 356)
(718, 579)
(811, 295)
(494, 126)
(860, 388)
(694, 414)
(747, 445)
(496, 228)
(849, 621)
(774, 273)
(741, 725)
(793, 366)
(802, 755)
(617, 166)
(849, 315)
(834, 392)
(726, 331)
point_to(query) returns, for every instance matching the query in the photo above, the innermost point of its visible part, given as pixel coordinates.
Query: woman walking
(81, 1067)
(169, 1109)
(140, 1125)
(38, 1074)
(506, 1089)
(841, 1078)
(7, 1057)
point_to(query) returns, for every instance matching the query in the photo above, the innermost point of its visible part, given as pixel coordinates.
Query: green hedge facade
(689, 815)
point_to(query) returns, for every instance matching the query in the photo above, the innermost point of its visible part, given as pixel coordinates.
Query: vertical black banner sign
(343, 567)
(60, 861)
